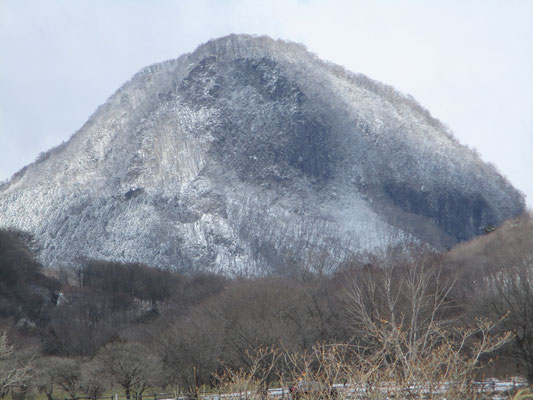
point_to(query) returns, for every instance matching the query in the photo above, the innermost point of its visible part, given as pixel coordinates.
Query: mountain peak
(245, 154)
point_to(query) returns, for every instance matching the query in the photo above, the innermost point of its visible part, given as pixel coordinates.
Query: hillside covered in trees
(70, 327)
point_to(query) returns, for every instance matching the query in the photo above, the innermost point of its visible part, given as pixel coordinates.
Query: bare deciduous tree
(251, 382)
(53, 373)
(12, 374)
(133, 366)
(92, 383)
(66, 373)
(507, 290)
(190, 348)
(406, 332)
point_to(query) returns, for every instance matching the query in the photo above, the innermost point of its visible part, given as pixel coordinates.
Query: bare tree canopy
(11, 374)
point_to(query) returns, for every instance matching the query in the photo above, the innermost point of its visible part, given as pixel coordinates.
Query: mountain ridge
(186, 151)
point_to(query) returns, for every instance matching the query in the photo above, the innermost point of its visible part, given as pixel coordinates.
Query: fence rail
(494, 388)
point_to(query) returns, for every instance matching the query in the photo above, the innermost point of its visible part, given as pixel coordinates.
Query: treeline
(108, 324)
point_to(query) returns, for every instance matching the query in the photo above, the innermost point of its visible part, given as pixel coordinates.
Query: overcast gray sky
(469, 62)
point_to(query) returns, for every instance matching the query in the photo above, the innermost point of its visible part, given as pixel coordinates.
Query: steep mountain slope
(249, 154)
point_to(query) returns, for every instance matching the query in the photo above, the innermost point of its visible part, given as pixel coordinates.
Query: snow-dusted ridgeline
(244, 154)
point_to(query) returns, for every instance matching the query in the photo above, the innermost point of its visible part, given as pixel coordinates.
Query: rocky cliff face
(249, 154)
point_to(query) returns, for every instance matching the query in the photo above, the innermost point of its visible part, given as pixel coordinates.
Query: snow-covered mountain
(247, 155)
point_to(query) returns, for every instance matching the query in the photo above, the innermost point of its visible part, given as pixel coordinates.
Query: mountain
(250, 155)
